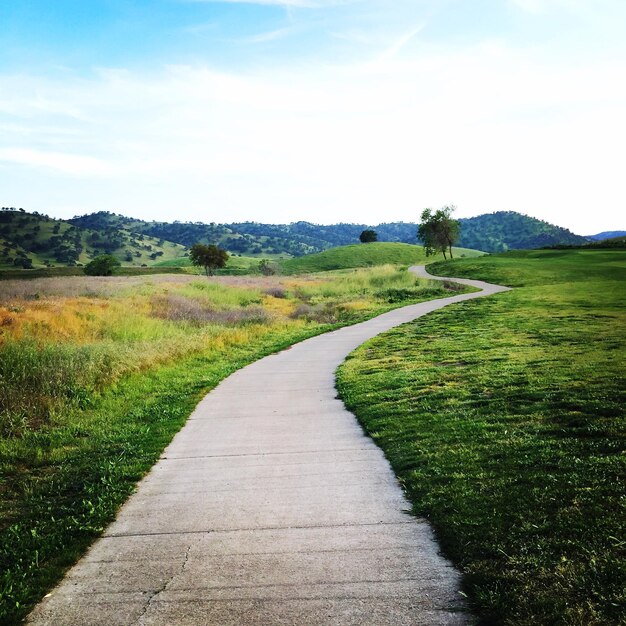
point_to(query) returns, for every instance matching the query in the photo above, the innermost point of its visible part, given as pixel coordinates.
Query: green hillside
(493, 232)
(508, 230)
(32, 239)
(364, 255)
(270, 241)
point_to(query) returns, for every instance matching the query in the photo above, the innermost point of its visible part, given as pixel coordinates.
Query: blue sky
(325, 110)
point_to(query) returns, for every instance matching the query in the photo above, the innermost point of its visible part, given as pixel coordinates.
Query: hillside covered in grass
(272, 241)
(35, 240)
(503, 418)
(493, 232)
(364, 255)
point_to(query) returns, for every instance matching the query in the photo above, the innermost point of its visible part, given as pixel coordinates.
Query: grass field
(98, 373)
(504, 420)
(364, 255)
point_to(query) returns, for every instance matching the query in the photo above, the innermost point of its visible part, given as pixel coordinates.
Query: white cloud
(486, 128)
(399, 43)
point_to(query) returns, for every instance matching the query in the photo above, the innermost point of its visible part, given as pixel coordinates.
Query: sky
(329, 111)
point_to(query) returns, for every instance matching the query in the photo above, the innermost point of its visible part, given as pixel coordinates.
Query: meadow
(503, 418)
(98, 373)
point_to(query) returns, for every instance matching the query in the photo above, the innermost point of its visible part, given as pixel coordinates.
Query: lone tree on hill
(103, 265)
(210, 257)
(367, 236)
(438, 231)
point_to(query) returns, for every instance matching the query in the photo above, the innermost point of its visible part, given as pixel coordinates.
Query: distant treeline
(614, 243)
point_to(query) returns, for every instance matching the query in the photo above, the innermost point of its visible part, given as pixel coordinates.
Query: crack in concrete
(163, 588)
(370, 448)
(260, 528)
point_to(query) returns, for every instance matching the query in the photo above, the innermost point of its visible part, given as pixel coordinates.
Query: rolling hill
(271, 241)
(364, 255)
(493, 232)
(33, 239)
(607, 234)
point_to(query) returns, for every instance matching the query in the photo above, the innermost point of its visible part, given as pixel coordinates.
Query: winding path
(269, 507)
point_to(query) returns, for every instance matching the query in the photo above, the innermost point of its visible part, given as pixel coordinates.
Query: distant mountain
(508, 230)
(236, 238)
(607, 234)
(494, 232)
(32, 238)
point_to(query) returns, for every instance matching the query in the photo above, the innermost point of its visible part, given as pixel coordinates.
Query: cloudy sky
(323, 110)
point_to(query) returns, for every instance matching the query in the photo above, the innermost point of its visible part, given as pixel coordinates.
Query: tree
(367, 236)
(103, 265)
(438, 231)
(210, 257)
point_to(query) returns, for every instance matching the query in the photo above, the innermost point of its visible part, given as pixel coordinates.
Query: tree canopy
(210, 257)
(103, 265)
(368, 235)
(438, 231)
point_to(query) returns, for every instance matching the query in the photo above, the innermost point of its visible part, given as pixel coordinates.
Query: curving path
(269, 507)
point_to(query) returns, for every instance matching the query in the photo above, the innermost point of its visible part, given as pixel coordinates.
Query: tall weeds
(60, 348)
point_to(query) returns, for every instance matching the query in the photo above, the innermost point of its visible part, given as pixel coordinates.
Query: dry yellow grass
(65, 339)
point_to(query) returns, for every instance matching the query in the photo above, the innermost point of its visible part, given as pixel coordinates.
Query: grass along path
(97, 375)
(504, 420)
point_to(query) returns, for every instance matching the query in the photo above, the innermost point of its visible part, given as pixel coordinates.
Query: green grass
(539, 267)
(503, 418)
(363, 255)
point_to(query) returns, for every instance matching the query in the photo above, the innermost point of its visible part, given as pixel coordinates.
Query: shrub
(276, 292)
(329, 313)
(103, 265)
(393, 296)
(267, 268)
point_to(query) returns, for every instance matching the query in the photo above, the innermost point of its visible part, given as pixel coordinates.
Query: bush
(393, 296)
(276, 292)
(103, 265)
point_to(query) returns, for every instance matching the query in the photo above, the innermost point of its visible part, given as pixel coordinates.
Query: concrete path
(269, 507)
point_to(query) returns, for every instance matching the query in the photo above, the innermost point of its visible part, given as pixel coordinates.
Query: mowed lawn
(503, 418)
(98, 373)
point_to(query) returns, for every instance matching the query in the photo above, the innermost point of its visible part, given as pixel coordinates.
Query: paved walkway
(269, 507)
